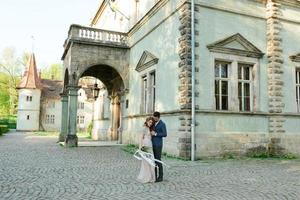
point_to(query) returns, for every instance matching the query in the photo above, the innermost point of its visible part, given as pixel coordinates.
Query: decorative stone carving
(147, 60)
(236, 45)
(295, 58)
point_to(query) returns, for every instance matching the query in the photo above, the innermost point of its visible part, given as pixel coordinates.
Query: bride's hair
(151, 128)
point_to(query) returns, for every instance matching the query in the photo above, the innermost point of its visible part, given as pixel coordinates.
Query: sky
(48, 21)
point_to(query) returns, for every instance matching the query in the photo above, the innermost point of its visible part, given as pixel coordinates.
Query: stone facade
(255, 35)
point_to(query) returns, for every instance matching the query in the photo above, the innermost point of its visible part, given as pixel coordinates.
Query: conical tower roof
(31, 80)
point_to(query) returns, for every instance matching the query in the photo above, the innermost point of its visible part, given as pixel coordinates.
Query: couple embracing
(151, 141)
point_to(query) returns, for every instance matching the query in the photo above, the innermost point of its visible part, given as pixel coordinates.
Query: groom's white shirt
(157, 122)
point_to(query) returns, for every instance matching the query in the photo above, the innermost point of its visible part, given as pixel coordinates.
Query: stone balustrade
(97, 35)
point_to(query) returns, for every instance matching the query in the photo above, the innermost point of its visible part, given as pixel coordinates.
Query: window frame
(243, 82)
(220, 80)
(233, 100)
(148, 91)
(297, 86)
(29, 98)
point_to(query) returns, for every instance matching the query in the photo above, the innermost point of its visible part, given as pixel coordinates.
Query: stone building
(247, 73)
(39, 106)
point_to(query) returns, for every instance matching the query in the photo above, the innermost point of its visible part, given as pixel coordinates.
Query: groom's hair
(156, 114)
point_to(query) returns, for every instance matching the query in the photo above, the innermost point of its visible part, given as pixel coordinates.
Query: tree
(4, 97)
(53, 72)
(11, 69)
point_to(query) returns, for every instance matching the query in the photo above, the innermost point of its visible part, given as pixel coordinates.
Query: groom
(159, 132)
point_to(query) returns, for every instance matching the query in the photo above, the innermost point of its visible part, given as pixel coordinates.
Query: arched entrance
(114, 86)
(106, 59)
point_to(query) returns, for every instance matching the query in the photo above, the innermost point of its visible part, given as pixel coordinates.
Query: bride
(147, 171)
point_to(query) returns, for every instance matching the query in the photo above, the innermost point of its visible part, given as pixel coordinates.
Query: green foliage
(53, 72)
(83, 134)
(10, 121)
(11, 70)
(130, 148)
(90, 129)
(169, 156)
(4, 97)
(266, 155)
(3, 129)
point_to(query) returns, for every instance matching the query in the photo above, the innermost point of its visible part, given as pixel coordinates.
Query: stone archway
(115, 87)
(106, 58)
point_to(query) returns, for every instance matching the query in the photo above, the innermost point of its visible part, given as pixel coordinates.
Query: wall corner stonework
(275, 73)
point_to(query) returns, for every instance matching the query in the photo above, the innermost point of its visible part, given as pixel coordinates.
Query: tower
(29, 98)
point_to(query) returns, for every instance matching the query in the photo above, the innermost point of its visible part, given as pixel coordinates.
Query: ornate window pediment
(147, 60)
(295, 58)
(236, 45)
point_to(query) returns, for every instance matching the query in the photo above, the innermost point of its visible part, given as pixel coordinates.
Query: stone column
(64, 118)
(71, 139)
(275, 71)
(115, 117)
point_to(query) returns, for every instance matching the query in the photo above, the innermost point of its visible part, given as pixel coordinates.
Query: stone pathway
(36, 167)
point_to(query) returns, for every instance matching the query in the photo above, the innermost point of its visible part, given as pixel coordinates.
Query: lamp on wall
(95, 91)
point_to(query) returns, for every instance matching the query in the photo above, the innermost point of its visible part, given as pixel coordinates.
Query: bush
(90, 129)
(9, 120)
(3, 129)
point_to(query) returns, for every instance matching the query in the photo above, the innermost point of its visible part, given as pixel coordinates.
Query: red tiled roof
(30, 80)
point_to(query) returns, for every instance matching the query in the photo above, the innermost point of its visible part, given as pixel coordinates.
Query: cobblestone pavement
(35, 167)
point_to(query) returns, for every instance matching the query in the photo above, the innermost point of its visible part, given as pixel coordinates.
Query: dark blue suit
(161, 131)
(157, 143)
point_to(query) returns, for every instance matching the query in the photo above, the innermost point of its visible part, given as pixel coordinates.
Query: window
(144, 94)
(234, 86)
(148, 92)
(50, 119)
(28, 98)
(298, 89)
(127, 103)
(80, 105)
(152, 92)
(221, 85)
(80, 119)
(245, 87)
(47, 121)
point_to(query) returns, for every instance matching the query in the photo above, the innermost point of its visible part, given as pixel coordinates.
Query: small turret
(29, 98)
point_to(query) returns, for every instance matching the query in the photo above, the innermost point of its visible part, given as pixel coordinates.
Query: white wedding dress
(147, 171)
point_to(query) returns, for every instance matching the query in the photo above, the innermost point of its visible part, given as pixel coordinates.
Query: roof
(51, 89)
(30, 80)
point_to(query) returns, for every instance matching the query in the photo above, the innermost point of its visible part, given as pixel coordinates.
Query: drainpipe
(193, 81)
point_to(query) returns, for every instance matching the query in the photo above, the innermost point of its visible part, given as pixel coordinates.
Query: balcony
(94, 36)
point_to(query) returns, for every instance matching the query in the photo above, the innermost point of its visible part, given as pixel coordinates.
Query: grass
(258, 155)
(266, 155)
